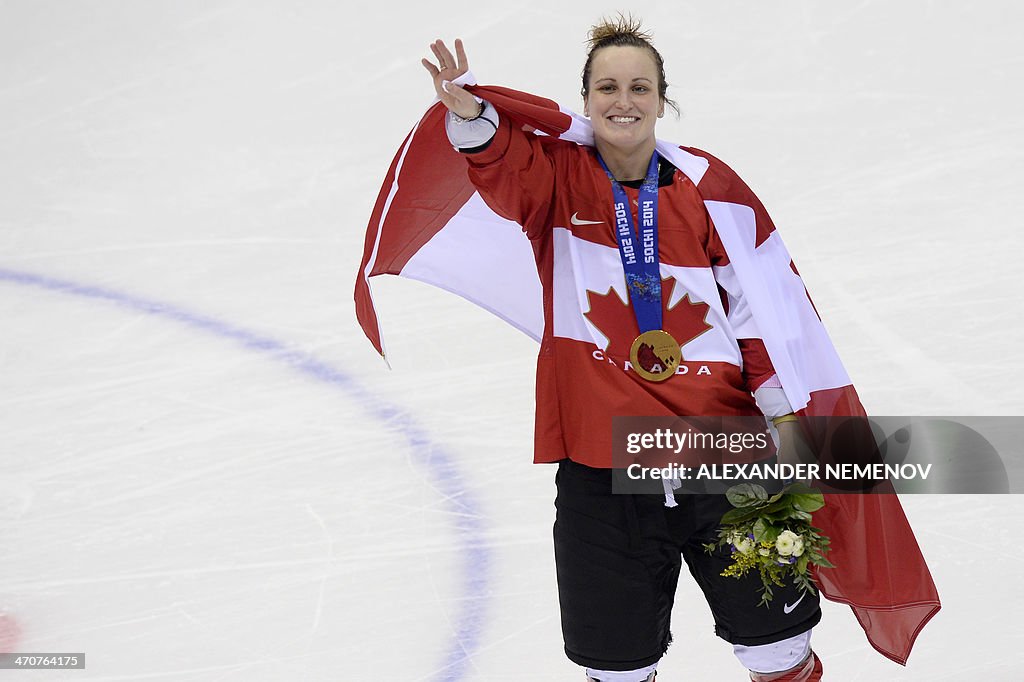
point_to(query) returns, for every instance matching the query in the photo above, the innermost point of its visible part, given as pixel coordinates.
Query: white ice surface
(234, 487)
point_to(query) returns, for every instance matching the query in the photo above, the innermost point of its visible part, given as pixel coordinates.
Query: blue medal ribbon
(639, 251)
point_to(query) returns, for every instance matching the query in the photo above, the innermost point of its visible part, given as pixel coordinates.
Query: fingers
(446, 61)
(458, 93)
(446, 55)
(460, 53)
(449, 68)
(460, 100)
(435, 47)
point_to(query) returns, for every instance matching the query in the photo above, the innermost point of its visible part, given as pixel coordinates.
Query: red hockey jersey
(561, 196)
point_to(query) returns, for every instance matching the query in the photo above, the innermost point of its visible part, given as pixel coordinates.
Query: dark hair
(624, 31)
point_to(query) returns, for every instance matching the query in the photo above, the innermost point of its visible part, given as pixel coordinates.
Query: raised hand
(458, 100)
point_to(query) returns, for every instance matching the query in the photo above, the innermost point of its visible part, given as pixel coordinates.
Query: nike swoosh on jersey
(786, 608)
(575, 220)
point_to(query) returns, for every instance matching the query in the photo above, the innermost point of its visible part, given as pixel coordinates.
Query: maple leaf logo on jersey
(614, 318)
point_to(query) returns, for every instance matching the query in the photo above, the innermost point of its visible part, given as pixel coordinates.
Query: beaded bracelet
(480, 112)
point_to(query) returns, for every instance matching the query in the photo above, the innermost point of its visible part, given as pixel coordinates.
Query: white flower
(785, 545)
(742, 543)
(763, 552)
(798, 545)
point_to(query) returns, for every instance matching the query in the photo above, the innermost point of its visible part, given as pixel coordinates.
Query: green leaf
(783, 515)
(801, 489)
(782, 504)
(746, 495)
(738, 516)
(808, 503)
(760, 529)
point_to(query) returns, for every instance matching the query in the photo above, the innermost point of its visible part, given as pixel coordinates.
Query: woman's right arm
(507, 165)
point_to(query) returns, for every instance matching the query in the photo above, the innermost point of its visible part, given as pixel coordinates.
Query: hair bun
(622, 26)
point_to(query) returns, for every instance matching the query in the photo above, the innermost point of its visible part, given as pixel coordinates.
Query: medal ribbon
(639, 252)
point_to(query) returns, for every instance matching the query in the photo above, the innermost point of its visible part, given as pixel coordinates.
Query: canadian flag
(430, 224)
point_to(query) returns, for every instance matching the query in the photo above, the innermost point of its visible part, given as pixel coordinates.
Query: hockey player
(618, 557)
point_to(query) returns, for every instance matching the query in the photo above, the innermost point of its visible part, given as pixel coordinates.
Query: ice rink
(207, 473)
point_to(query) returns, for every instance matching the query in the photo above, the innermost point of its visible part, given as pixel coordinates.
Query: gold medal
(655, 355)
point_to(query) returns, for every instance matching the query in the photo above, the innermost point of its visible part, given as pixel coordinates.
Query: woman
(618, 556)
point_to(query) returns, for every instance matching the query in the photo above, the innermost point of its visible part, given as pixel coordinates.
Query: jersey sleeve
(473, 134)
(515, 176)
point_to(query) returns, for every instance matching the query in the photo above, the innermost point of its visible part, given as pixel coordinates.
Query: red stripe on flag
(425, 186)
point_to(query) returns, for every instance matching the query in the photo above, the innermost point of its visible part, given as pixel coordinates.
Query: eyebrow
(641, 78)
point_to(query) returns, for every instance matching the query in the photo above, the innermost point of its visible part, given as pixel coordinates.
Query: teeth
(624, 119)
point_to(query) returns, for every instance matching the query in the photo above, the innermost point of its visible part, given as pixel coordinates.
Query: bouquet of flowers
(773, 535)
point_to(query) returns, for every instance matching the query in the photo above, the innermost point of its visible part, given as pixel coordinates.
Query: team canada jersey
(562, 197)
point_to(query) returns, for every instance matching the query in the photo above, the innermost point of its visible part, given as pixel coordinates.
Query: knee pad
(639, 675)
(774, 657)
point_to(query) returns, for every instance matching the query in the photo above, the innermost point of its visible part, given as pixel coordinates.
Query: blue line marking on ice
(463, 507)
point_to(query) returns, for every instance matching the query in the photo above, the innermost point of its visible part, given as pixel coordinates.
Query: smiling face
(623, 101)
